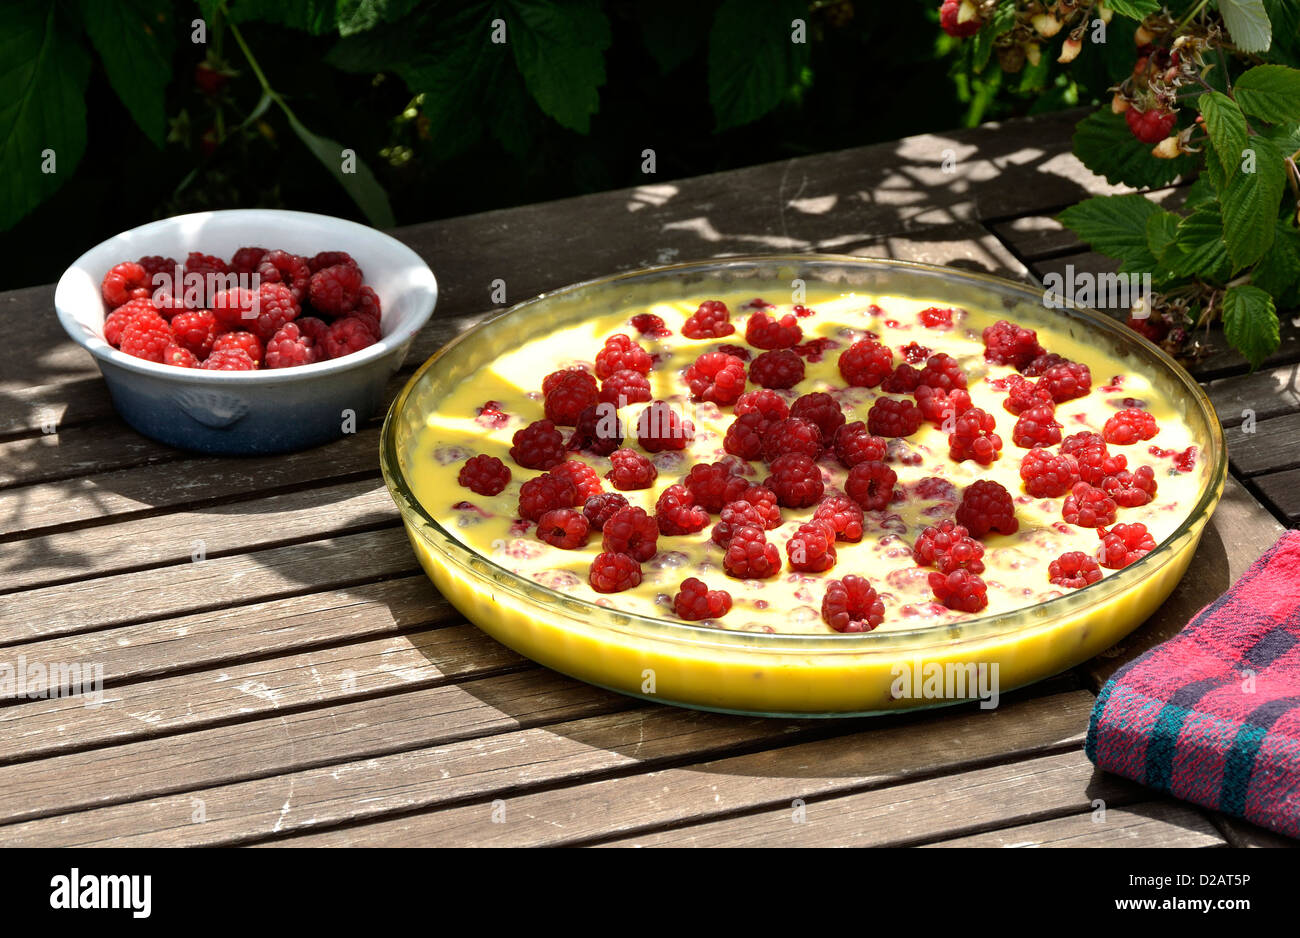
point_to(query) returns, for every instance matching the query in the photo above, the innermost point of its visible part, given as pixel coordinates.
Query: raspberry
(821, 409)
(630, 531)
(196, 262)
(803, 312)
(1131, 489)
(949, 547)
(314, 329)
(815, 349)
(276, 306)
(484, 474)
(1096, 464)
(713, 485)
(892, 417)
(744, 438)
(750, 556)
(914, 353)
(334, 290)
(852, 605)
(1076, 443)
(866, 363)
(711, 321)
(545, 493)
(1088, 506)
(1048, 475)
(739, 351)
(123, 282)
(620, 353)
(1042, 363)
(716, 377)
(117, 321)
(155, 264)
(779, 369)
(1124, 544)
(250, 343)
(1153, 330)
(942, 408)
(763, 331)
(1065, 382)
(538, 445)
(1074, 569)
(695, 601)
(1023, 394)
(597, 430)
(237, 308)
(796, 480)
(563, 528)
(844, 516)
(660, 428)
(246, 260)
(347, 335)
(598, 509)
(1005, 343)
(229, 359)
(768, 403)
(179, 356)
(584, 478)
(765, 501)
(292, 271)
(194, 331)
(569, 396)
(553, 380)
(1037, 426)
(904, 379)
(368, 308)
(613, 573)
(733, 516)
(871, 484)
(792, 436)
(811, 548)
(329, 259)
(677, 513)
(1129, 426)
(649, 324)
(288, 347)
(942, 373)
(630, 470)
(973, 437)
(1150, 126)
(855, 444)
(987, 506)
(626, 387)
(960, 590)
(935, 317)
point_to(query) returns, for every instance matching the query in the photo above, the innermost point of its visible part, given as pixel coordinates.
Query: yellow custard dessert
(773, 652)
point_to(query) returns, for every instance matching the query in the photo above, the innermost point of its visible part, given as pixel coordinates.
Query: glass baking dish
(819, 675)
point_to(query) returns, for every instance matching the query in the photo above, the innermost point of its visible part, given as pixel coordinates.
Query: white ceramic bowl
(251, 412)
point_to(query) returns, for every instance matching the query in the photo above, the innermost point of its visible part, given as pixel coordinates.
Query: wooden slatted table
(304, 684)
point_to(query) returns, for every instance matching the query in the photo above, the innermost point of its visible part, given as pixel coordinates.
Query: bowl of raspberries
(251, 331)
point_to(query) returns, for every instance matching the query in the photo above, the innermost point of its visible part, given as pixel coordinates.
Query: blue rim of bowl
(97, 346)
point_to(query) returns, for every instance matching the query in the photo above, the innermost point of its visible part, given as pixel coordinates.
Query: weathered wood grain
(1271, 392)
(1267, 446)
(1150, 824)
(1282, 490)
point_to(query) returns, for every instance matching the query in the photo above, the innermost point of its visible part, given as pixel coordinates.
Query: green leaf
(1134, 9)
(311, 16)
(1248, 24)
(135, 41)
(1250, 322)
(1103, 141)
(1198, 249)
(752, 61)
(1002, 20)
(1202, 190)
(1285, 17)
(1287, 137)
(1161, 230)
(1115, 225)
(672, 30)
(1250, 203)
(43, 75)
(1226, 126)
(1278, 271)
(560, 51)
(1271, 93)
(357, 16)
(361, 184)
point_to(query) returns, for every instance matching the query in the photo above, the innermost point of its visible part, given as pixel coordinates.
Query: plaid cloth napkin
(1213, 714)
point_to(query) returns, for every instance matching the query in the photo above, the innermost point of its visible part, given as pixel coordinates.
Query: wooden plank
(640, 739)
(885, 753)
(1238, 532)
(1263, 394)
(1282, 491)
(168, 591)
(156, 540)
(915, 812)
(188, 481)
(77, 451)
(246, 690)
(1267, 446)
(1150, 824)
(67, 403)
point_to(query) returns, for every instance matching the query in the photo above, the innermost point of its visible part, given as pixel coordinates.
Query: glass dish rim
(1041, 614)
